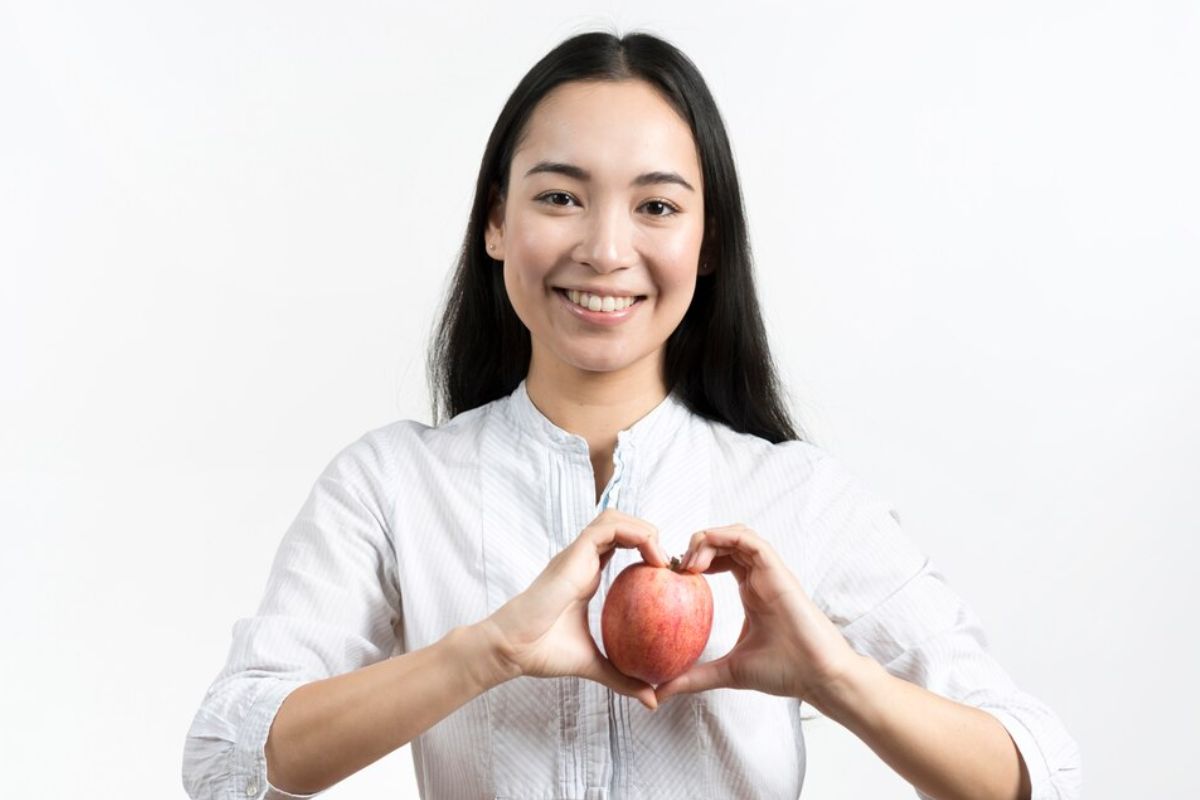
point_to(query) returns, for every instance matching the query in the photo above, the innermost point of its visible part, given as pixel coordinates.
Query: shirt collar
(653, 431)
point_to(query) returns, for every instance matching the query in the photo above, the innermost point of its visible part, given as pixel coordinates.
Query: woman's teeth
(594, 302)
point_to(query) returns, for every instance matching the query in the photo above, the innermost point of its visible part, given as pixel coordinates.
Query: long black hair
(717, 359)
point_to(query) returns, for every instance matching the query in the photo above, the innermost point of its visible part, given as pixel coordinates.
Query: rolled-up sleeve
(331, 606)
(892, 604)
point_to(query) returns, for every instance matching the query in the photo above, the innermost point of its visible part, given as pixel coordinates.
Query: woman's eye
(560, 199)
(659, 208)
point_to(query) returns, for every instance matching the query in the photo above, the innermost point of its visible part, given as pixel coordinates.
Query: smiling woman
(608, 174)
(604, 364)
(600, 202)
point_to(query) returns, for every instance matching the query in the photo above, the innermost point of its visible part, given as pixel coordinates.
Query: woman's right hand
(543, 631)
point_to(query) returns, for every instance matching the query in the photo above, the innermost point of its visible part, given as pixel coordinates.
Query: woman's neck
(596, 405)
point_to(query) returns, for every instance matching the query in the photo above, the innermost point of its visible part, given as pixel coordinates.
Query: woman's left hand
(787, 647)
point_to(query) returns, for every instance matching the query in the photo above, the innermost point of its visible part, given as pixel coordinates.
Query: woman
(612, 398)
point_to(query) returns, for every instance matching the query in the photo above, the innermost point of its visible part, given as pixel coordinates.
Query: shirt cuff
(1035, 762)
(249, 768)
(280, 794)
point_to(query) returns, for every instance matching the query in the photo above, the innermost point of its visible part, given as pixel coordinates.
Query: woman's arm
(944, 749)
(329, 729)
(310, 691)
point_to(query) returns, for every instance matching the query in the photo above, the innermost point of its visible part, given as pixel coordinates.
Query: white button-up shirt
(413, 530)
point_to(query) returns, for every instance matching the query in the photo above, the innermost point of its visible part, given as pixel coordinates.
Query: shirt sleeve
(331, 606)
(892, 604)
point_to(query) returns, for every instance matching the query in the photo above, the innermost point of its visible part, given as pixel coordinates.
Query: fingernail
(687, 562)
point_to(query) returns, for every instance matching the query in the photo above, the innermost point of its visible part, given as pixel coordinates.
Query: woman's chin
(592, 356)
(599, 362)
(600, 366)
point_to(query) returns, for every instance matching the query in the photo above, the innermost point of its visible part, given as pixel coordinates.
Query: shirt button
(251, 789)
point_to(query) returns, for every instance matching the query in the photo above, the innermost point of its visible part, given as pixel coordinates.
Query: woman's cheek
(678, 252)
(539, 239)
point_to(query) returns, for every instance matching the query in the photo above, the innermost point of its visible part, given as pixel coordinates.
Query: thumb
(709, 675)
(602, 671)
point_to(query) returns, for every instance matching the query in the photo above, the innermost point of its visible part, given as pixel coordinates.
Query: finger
(701, 677)
(724, 563)
(745, 545)
(699, 536)
(606, 536)
(607, 557)
(628, 521)
(703, 558)
(612, 516)
(602, 671)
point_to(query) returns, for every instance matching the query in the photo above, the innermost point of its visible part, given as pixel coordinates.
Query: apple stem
(676, 563)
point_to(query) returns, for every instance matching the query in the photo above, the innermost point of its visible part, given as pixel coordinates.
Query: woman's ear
(493, 235)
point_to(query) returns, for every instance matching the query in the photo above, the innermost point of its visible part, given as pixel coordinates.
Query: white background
(225, 229)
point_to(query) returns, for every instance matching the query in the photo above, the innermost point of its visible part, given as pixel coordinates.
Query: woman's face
(604, 194)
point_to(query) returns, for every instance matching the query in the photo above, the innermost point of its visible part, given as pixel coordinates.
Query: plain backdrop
(225, 230)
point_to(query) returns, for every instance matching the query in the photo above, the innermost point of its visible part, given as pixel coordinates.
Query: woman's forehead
(613, 128)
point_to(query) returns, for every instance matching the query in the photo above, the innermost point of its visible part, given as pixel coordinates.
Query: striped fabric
(413, 530)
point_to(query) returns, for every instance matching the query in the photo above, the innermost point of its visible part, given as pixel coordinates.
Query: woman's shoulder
(411, 442)
(795, 456)
(812, 471)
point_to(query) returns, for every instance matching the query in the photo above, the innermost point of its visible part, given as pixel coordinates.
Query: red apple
(656, 621)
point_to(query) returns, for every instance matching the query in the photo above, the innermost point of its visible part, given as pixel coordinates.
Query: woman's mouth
(619, 309)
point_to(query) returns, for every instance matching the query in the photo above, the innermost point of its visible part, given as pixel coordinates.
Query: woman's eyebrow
(559, 168)
(650, 178)
(581, 174)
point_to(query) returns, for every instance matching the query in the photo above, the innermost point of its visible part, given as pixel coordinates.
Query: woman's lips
(604, 318)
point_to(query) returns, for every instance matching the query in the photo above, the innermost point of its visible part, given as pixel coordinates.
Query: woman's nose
(606, 241)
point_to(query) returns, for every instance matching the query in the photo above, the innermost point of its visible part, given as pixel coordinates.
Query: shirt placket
(608, 710)
(590, 744)
(585, 761)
